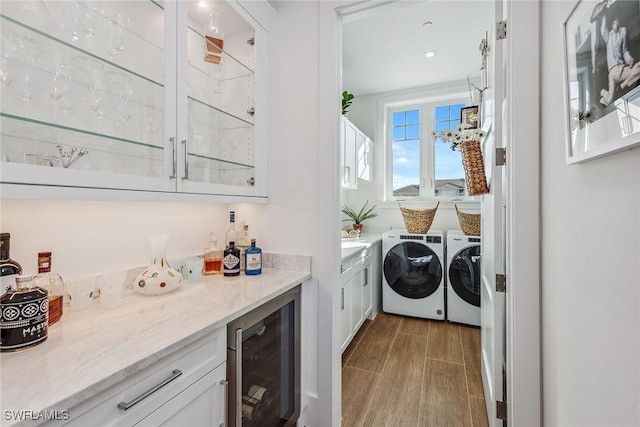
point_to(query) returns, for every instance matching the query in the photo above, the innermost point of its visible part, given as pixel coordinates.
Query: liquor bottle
(253, 260)
(54, 285)
(213, 256)
(243, 243)
(231, 235)
(9, 268)
(25, 310)
(231, 262)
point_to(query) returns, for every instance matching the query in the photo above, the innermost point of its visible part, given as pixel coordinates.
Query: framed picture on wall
(469, 117)
(602, 78)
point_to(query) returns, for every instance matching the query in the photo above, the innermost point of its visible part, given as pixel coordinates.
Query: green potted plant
(360, 216)
(347, 100)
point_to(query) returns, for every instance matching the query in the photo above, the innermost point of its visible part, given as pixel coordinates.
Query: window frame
(426, 111)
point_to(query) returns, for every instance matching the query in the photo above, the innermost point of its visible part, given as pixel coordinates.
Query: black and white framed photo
(469, 117)
(602, 78)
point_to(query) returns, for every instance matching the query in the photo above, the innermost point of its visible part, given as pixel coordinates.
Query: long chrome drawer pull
(126, 405)
(238, 396)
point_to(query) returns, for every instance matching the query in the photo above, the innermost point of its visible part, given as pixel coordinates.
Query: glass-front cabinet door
(135, 95)
(217, 117)
(83, 94)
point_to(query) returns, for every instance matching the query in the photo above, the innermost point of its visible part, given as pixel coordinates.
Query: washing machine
(463, 278)
(413, 274)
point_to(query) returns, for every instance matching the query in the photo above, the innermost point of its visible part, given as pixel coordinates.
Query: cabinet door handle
(126, 405)
(365, 272)
(238, 397)
(342, 298)
(175, 157)
(186, 159)
(347, 174)
(225, 385)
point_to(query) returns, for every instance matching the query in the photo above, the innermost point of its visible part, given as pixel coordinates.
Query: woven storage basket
(473, 168)
(470, 223)
(418, 221)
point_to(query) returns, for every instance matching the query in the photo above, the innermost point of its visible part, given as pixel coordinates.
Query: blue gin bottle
(253, 260)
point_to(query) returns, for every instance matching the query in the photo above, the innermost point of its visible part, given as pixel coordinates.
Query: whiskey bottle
(9, 268)
(213, 256)
(253, 260)
(231, 261)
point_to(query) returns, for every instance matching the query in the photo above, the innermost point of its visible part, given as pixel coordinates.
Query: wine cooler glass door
(263, 366)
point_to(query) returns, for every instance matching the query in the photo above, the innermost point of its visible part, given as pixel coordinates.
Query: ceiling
(383, 43)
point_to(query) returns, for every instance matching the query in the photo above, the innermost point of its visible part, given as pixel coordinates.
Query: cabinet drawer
(168, 377)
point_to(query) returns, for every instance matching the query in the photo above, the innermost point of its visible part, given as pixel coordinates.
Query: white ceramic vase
(158, 278)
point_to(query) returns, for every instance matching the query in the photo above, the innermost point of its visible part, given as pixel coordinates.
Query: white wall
(590, 258)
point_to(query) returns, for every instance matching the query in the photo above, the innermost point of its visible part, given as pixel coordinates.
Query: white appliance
(463, 278)
(412, 274)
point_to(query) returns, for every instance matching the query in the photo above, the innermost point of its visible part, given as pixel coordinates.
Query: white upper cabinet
(355, 155)
(157, 96)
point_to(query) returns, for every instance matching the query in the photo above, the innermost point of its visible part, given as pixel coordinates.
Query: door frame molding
(523, 343)
(523, 340)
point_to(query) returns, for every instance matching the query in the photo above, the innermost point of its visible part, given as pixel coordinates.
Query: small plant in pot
(359, 216)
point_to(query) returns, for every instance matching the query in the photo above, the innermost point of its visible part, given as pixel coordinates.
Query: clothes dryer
(463, 278)
(412, 274)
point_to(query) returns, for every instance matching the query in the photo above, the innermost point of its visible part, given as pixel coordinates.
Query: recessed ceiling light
(430, 54)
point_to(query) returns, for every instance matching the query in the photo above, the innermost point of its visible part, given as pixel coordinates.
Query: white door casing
(510, 219)
(493, 229)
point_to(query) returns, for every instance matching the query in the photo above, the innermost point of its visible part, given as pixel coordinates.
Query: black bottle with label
(9, 268)
(231, 260)
(24, 315)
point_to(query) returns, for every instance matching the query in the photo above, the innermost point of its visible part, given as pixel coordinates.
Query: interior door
(493, 227)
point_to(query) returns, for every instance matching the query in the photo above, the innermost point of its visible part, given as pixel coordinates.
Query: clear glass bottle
(231, 261)
(253, 260)
(9, 268)
(231, 235)
(213, 256)
(243, 243)
(54, 285)
(213, 38)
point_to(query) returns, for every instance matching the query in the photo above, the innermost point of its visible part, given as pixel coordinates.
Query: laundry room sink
(350, 247)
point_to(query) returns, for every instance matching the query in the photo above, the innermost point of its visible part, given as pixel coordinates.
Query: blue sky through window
(448, 163)
(406, 148)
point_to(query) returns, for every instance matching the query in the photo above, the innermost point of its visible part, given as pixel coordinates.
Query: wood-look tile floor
(406, 372)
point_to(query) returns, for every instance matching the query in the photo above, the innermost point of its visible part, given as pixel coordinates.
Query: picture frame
(601, 93)
(469, 117)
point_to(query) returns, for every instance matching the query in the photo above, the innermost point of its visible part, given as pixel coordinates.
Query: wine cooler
(263, 364)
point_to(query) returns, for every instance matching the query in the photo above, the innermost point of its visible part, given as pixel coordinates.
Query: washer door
(412, 270)
(464, 274)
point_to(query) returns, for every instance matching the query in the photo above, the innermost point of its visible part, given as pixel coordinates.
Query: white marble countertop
(353, 246)
(88, 351)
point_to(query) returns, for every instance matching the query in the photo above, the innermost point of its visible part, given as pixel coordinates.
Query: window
(422, 166)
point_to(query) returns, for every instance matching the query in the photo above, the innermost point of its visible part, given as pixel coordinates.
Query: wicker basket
(418, 221)
(473, 168)
(470, 223)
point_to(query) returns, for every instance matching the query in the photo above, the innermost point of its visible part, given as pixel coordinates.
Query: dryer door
(412, 270)
(464, 274)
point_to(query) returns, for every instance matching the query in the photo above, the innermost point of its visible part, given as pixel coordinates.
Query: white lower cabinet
(184, 388)
(346, 294)
(201, 404)
(356, 287)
